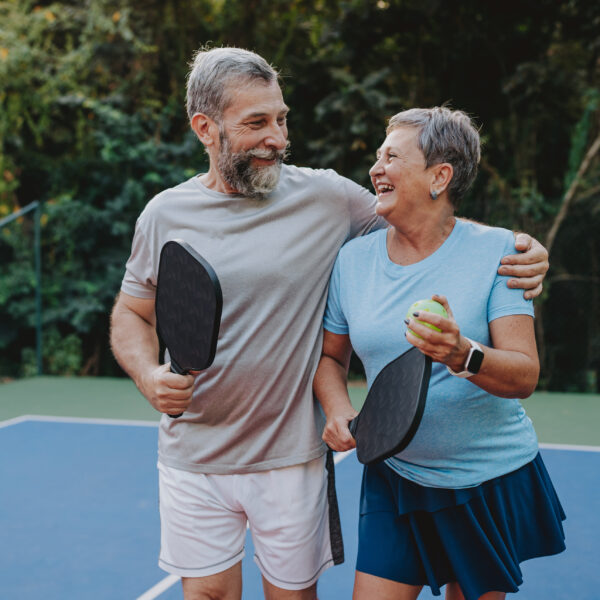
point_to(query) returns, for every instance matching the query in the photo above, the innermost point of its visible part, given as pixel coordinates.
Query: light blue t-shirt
(467, 435)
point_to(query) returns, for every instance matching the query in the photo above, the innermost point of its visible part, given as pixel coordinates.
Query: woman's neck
(408, 245)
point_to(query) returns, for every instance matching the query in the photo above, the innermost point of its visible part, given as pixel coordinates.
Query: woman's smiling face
(399, 176)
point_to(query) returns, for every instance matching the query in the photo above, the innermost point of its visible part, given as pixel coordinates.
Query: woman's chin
(382, 209)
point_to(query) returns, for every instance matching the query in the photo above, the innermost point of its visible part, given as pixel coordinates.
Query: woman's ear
(442, 175)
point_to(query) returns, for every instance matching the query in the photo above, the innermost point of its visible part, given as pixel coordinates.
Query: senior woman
(469, 498)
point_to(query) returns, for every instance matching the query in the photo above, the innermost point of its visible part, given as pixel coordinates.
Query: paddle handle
(175, 368)
(352, 426)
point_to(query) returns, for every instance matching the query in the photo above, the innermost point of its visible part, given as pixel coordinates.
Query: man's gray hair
(214, 70)
(445, 135)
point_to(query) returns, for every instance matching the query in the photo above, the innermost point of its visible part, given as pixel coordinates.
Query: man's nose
(276, 138)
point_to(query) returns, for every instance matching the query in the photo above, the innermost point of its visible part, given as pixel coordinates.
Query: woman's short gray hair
(445, 135)
(214, 70)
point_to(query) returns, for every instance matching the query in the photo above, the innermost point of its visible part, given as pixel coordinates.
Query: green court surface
(89, 397)
(558, 418)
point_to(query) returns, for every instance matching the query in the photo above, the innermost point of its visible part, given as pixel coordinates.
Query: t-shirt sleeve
(140, 274)
(334, 319)
(503, 300)
(361, 204)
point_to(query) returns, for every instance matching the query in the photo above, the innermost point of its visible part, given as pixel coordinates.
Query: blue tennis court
(79, 517)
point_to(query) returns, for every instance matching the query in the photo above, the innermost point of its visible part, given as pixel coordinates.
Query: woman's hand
(447, 346)
(336, 433)
(510, 367)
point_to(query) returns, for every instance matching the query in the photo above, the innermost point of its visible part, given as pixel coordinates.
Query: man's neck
(213, 181)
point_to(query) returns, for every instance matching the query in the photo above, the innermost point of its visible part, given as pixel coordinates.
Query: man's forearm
(134, 344)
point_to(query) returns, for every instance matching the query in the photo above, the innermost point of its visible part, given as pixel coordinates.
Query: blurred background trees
(92, 123)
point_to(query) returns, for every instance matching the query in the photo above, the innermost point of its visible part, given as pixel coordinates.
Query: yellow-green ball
(427, 306)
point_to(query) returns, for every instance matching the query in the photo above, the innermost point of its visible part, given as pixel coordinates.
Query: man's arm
(135, 346)
(528, 267)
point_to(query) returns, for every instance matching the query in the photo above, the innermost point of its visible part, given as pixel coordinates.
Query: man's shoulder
(328, 186)
(293, 172)
(181, 191)
(185, 187)
(364, 244)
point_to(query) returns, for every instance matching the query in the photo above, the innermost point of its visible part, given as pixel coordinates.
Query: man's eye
(256, 123)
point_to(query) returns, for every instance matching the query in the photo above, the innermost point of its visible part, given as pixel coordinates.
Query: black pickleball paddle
(188, 308)
(393, 409)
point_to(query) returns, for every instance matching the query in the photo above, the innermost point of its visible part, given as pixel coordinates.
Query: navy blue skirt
(476, 536)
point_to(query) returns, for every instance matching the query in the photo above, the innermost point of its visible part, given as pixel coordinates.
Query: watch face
(475, 361)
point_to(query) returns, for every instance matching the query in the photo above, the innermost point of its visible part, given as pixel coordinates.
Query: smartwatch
(473, 362)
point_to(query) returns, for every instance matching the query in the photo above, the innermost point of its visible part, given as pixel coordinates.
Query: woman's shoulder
(484, 234)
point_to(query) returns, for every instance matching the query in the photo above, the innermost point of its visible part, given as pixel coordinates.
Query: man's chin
(253, 181)
(265, 180)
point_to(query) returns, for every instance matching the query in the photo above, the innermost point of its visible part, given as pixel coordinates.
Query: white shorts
(291, 512)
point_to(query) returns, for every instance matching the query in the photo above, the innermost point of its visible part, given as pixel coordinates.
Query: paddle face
(188, 307)
(393, 409)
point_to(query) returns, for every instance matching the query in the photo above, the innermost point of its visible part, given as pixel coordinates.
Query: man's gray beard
(237, 170)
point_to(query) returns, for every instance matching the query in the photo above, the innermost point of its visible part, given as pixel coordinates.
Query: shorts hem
(201, 571)
(269, 465)
(293, 585)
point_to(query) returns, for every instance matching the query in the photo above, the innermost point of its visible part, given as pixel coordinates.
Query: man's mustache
(265, 154)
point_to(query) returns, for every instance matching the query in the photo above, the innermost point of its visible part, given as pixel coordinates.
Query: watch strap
(473, 362)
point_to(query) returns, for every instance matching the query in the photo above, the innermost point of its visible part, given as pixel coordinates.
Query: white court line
(159, 588)
(571, 447)
(340, 456)
(80, 420)
(14, 421)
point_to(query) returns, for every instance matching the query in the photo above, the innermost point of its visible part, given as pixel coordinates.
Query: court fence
(36, 208)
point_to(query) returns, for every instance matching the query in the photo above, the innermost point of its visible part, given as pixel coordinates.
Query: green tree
(92, 122)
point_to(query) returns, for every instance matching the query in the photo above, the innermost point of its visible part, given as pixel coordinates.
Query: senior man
(248, 447)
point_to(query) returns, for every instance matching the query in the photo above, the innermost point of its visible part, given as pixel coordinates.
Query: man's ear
(205, 129)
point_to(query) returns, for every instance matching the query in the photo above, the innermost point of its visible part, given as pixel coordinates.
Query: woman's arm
(510, 368)
(330, 388)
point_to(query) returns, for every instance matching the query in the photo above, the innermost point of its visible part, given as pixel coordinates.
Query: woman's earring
(433, 194)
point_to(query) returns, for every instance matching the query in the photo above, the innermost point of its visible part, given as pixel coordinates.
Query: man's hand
(167, 392)
(135, 346)
(529, 267)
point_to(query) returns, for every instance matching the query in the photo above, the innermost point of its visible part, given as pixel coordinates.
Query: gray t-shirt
(253, 409)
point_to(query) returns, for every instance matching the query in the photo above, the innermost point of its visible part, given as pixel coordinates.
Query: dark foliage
(92, 123)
